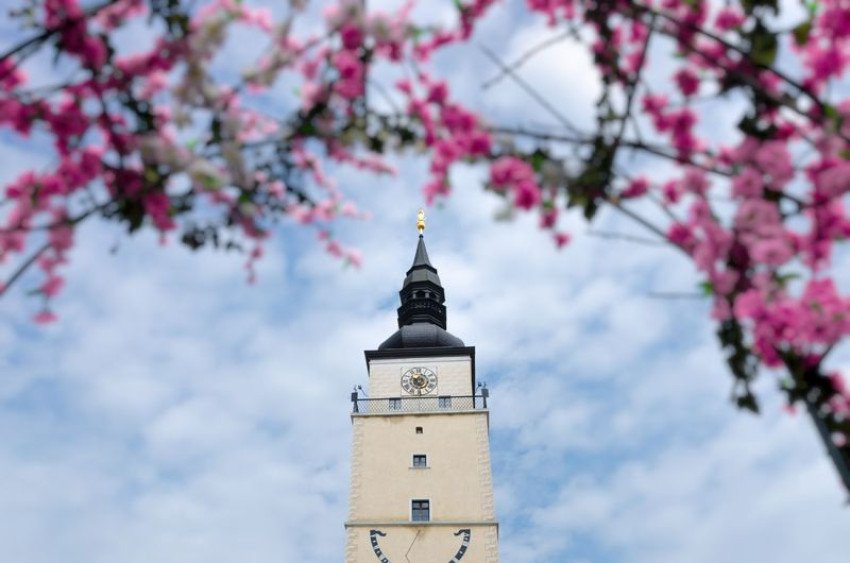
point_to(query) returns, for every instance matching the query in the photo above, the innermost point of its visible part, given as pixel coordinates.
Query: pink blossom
(772, 252)
(526, 195)
(681, 235)
(723, 281)
(351, 35)
(405, 86)
(834, 181)
(749, 304)
(45, 317)
(11, 76)
(19, 115)
(823, 63)
(655, 105)
(508, 170)
(695, 181)
(259, 17)
(52, 285)
(636, 188)
(728, 18)
(754, 215)
(351, 74)
(553, 9)
(548, 217)
(838, 383)
(561, 239)
(774, 159)
(747, 184)
(687, 81)
(354, 257)
(672, 191)
(158, 206)
(438, 92)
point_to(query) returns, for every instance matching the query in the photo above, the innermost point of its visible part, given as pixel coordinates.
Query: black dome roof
(420, 335)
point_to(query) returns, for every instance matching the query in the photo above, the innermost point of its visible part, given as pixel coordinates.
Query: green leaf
(812, 6)
(747, 402)
(707, 288)
(538, 158)
(830, 112)
(783, 279)
(151, 175)
(765, 46)
(802, 31)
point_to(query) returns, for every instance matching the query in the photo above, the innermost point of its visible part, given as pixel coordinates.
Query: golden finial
(420, 221)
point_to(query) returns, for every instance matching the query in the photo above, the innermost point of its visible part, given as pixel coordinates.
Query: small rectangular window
(395, 404)
(420, 460)
(420, 510)
(419, 430)
(445, 402)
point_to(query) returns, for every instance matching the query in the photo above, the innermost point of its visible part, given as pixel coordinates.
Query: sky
(176, 413)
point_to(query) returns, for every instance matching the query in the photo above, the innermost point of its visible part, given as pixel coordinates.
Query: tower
(421, 487)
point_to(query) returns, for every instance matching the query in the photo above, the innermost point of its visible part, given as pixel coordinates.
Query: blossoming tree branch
(149, 136)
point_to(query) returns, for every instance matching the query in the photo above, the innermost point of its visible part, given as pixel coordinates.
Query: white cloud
(177, 414)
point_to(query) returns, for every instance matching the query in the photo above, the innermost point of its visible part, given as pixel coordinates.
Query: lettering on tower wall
(467, 533)
(373, 538)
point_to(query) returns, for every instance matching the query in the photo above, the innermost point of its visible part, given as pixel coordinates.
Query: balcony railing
(401, 405)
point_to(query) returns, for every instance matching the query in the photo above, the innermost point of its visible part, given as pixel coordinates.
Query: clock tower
(421, 487)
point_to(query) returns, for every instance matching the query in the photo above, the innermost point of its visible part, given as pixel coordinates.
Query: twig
(535, 95)
(48, 32)
(524, 58)
(641, 221)
(23, 268)
(627, 237)
(4, 287)
(626, 143)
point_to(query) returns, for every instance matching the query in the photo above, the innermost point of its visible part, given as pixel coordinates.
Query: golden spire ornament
(420, 221)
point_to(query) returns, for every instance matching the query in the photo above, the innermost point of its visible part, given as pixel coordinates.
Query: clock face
(418, 381)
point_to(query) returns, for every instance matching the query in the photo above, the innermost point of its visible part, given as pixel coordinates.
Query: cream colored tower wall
(457, 479)
(457, 482)
(454, 375)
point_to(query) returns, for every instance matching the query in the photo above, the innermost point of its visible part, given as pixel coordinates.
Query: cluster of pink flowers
(451, 131)
(121, 123)
(807, 325)
(516, 176)
(678, 123)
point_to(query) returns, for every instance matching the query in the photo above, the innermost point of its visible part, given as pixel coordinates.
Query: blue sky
(178, 414)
